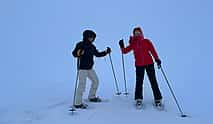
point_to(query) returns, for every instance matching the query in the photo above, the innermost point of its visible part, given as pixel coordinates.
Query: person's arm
(77, 50)
(153, 51)
(154, 54)
(127, 49)
(99, 54)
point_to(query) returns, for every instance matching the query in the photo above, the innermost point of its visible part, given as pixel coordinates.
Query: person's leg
(152, 78)
(95, 83)
(81, 86)
(139, 83)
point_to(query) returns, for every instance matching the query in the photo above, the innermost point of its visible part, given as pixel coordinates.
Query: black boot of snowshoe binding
(81, 106)
(95, 99)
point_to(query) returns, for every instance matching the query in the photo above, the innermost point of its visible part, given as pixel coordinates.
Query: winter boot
(95, 99)
(158, 102)
(138, 103)
(81, 106)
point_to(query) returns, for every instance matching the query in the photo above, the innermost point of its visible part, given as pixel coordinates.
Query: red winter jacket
(143, 49)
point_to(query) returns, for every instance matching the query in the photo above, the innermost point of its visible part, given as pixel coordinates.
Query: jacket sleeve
(127, 49)
(99, 54)
(77, 47)
(152, 50)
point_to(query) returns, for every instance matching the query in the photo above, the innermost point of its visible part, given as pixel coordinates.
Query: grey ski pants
(83, 75)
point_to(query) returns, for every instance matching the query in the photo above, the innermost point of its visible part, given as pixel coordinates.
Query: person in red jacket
(144, 52)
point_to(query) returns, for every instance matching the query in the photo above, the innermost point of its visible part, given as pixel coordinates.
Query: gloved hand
(121, 43)
(108, 50)
(80, 52)
(158, 61)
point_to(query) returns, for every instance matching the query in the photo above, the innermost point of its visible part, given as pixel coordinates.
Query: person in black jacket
(85, 51)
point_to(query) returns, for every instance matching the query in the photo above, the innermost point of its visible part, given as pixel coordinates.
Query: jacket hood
(140, 30)
(87, 34)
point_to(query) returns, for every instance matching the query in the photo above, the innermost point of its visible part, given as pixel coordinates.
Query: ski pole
(124, 74)
(173, 94)
(76, 83)
(113, 71)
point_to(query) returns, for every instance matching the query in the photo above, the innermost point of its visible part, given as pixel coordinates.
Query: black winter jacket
(86, 60)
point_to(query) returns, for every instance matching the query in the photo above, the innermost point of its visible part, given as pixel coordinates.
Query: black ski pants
(150, 70)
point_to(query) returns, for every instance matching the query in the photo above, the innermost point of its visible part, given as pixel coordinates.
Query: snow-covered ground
(50, 102)
(113, 109)
(37, 71)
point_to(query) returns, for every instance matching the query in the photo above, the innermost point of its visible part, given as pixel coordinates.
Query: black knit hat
(88, 33)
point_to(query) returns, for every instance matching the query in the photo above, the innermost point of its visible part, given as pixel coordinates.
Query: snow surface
(38, 72)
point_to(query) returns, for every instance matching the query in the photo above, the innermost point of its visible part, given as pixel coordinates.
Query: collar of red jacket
(135, 39)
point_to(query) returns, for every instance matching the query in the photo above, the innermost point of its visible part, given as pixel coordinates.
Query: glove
(80, 52)
(158, 61)
(121, 43)
(108, 50)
